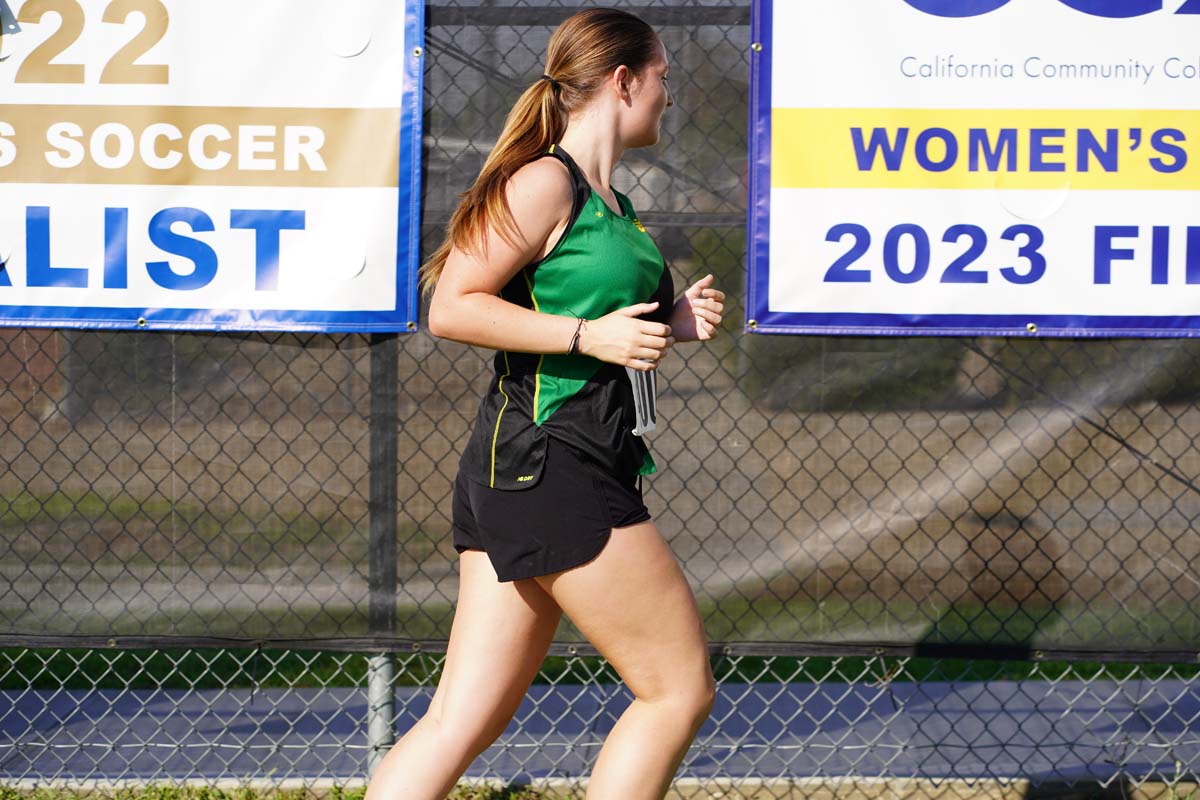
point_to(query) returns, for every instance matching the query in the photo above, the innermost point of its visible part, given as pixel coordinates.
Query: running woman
(547, 264)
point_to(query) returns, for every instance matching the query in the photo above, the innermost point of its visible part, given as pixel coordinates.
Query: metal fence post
(381, 708)
(383, 505)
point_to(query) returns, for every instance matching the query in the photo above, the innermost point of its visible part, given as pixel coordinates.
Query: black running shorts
(564, 520)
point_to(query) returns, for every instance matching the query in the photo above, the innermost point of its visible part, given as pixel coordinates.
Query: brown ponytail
(583, 50)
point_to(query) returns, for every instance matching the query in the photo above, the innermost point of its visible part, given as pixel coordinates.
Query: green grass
(744, 615)
(81, 669)
(202, 532)
(94, 530)
(121, 530)
(312, 620)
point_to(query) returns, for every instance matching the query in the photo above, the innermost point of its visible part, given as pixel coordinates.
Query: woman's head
(601, 47)
(589, 47)
(586, 53)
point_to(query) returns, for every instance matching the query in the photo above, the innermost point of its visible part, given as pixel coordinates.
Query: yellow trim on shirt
(496, 433)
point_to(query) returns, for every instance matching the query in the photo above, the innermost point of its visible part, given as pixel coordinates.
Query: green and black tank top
(602, 262)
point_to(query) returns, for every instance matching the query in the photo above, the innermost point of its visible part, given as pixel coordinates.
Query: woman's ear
(623, 83)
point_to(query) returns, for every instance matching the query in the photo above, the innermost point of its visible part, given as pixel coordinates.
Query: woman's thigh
(499, 637)
(634, 605)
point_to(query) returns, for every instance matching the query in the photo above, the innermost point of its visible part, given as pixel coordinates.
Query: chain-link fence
(917, 558)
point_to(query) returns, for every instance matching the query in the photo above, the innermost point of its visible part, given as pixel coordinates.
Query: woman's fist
(621, 338)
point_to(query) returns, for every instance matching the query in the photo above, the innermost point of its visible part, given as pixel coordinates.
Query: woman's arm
(466, 307)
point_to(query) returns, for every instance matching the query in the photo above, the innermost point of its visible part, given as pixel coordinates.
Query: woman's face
(649, 96)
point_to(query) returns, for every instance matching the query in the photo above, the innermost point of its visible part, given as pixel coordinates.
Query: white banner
(220, 165)
(976, 167)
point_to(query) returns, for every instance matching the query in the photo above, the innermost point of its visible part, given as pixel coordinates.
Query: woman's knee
(702, 693)
(693, 705)
(689, 694)
(468, 730)
(705, 696)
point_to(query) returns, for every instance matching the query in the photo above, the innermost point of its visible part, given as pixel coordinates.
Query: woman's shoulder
(543, 182)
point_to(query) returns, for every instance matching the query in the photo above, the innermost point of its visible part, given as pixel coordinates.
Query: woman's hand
(697, 313)
(622, 338)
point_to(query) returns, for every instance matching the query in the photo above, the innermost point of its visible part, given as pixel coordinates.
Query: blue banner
(959, 167)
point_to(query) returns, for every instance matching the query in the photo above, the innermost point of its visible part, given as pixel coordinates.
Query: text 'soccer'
(219, 165)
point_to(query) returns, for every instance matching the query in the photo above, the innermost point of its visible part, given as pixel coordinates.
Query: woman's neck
(593, 144)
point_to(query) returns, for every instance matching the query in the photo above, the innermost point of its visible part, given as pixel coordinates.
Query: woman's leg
(500, 636)
(634, 605)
